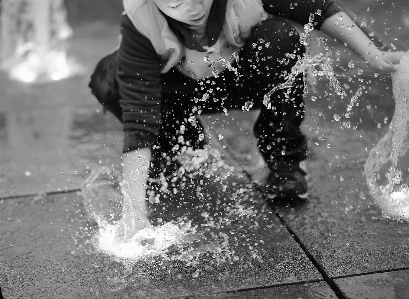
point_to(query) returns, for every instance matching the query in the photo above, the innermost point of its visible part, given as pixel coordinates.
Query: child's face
(191, 12)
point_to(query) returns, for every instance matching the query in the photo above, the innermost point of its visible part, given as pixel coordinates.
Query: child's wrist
(371, 54)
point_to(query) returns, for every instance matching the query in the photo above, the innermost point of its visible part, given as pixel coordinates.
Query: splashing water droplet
(247, 106)
(337, 117)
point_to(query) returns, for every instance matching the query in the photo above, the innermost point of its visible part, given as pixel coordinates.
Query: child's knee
(103, 82)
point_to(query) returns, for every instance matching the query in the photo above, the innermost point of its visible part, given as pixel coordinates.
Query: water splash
(318, 65)
(146, 242)
(161, 240)
(207, 162)
(387, 167)
(100, 187)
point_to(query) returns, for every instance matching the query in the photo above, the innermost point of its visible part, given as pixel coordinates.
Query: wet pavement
(336, 245)
(52, 133)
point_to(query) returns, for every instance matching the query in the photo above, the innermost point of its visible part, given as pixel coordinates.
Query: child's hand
(134, 218)
(385, 62)
(132, 222)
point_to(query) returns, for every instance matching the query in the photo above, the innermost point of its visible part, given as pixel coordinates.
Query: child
(173, 63)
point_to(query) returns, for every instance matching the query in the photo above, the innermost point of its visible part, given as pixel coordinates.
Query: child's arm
(139, 85)
(134, 178)
(341, 27)
(330, 18)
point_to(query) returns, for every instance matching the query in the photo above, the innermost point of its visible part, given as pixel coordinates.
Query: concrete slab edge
(11, 197)
(259, 288)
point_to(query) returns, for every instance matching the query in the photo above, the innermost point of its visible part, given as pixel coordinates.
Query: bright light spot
(53, 67)
(400, 196)
(24, 75)
(57, 76)
(26, 71)
(148, 241)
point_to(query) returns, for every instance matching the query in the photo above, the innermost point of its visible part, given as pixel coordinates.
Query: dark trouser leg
(177, 133)
(264, 63)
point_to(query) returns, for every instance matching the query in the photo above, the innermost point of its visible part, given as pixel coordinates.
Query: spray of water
(179, 234)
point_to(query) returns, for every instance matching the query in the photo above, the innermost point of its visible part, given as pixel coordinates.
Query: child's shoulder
(135, 5)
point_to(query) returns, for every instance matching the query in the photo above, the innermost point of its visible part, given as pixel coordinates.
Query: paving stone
(387, 285)
(47, 250)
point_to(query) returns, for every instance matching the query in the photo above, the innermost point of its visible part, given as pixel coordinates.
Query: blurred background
(53, 133)
(83, 12)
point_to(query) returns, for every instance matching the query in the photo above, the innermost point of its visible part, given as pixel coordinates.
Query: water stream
(387, 167)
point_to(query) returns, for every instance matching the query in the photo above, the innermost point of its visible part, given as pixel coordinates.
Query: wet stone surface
(391, 285)
(47, 248)
(53, 134)
(342, 227)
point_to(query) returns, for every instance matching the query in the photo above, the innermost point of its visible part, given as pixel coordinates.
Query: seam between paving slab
(329, 280)
(254, 289)
(317, 265)
(11, 197)
(371, 273)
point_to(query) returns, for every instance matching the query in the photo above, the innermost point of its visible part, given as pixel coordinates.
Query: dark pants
(263, 64)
